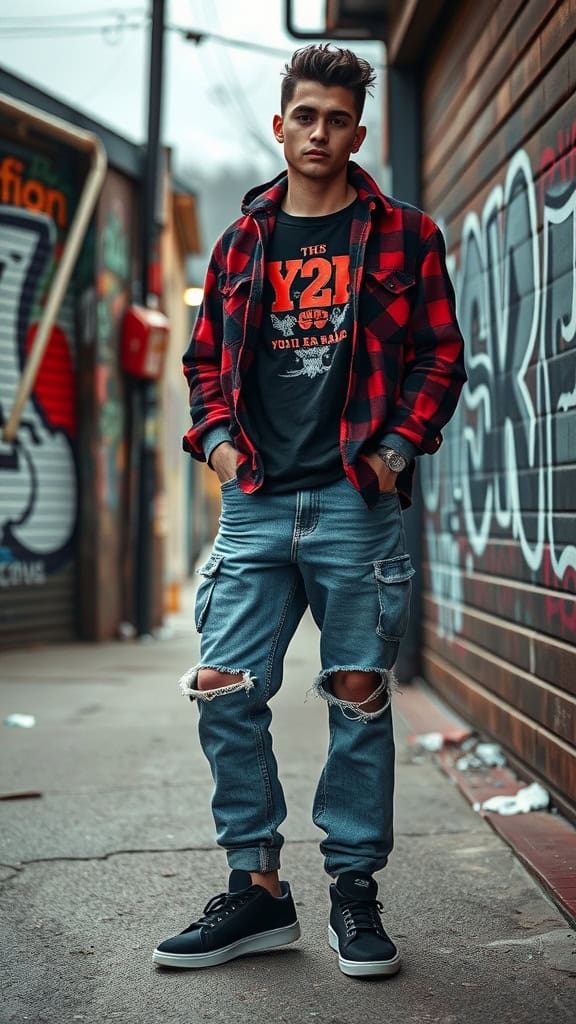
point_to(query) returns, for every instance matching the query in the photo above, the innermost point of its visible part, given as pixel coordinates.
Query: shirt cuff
(212, 438)
(400, 445)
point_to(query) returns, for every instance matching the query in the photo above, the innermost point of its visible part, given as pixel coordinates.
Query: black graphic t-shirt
(297, 386)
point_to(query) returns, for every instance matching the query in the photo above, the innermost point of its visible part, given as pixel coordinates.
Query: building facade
(494, 90)
(68, 484)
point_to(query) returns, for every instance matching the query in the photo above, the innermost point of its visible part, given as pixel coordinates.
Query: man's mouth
(317, 153)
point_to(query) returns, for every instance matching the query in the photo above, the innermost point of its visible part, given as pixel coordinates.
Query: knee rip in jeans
(188, 683)
(354, 710)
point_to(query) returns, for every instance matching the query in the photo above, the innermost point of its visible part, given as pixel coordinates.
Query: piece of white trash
(490, 754)
(529, 798)
(432, 741)
(464, 764)
(20, 721)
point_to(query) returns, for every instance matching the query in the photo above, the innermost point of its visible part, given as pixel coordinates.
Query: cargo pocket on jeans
(208, 572)
(394, 581)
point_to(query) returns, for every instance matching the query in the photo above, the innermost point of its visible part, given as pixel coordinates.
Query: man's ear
(358, 138)
(278, 127)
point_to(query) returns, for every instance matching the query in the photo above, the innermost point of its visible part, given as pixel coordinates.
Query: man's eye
(304, 117)
(337, 121)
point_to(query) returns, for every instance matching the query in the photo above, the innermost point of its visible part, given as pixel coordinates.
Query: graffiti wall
(500, 497)
(38, 480)
(104, 297)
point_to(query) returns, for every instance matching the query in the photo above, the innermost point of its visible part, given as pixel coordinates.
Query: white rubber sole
(363, 969)
(260, 943)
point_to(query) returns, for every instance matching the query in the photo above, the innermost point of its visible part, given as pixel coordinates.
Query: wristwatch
(393, 460)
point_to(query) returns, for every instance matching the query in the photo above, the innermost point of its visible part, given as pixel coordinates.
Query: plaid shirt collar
(265, 200)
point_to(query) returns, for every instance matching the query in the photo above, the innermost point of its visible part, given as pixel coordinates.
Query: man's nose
(320, 130)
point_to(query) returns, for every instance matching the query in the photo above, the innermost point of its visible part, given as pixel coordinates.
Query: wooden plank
(535, 698)
(564, 424)
(551, 757)
(546, 659)
(557, 136)
(551, 612)
(563, 487)
(508, 51)
(489, 105)
(468, 39)
(410, 27)
(491, 141)
(504, 558)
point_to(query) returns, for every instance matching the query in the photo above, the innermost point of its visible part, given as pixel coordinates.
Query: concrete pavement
(119, 853)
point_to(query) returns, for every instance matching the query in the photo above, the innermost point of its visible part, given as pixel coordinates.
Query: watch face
(396, 462)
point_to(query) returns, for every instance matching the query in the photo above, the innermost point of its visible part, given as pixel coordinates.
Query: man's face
(319, 130)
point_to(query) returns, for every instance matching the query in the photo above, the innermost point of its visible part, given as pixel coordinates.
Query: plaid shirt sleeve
(434, 368)
(202, 368)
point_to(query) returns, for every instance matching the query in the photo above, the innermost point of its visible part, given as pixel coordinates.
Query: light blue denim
(273, 556)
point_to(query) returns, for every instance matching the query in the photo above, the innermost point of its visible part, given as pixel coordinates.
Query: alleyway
(118, 853)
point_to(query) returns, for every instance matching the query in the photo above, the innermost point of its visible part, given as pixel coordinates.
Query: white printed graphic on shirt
(313, 354)
(286, 324)
(338, 316)
(314, 362)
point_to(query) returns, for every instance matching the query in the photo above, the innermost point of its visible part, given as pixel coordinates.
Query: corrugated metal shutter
(38, 480)
(499, 173)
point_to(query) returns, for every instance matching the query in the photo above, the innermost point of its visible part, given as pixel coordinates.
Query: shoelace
(220, 907)
(362, 915)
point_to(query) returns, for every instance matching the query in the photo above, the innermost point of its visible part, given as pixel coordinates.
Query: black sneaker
(246, 919)
(356, 931)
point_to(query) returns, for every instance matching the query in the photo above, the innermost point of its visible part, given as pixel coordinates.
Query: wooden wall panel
(499, 573)
(551, 758)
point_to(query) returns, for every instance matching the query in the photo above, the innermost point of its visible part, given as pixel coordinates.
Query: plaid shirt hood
(407, 367)
(268, 197)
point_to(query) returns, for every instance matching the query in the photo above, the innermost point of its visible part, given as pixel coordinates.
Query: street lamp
(193, 296)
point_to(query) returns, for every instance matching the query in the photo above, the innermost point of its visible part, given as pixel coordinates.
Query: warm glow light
(193, 296)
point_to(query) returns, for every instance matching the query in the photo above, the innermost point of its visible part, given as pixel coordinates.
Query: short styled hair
(329, 65)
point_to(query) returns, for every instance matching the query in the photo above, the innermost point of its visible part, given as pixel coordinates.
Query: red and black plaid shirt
(407, 367)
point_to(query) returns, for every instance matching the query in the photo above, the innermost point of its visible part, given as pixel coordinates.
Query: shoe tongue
(357, 885)
(239, 880)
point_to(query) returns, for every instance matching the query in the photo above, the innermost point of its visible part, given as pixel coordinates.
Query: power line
(26, 27)
(68, 31)
(75, 15)
(236, 94)
(194, 36)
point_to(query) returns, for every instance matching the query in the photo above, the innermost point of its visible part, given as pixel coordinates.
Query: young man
(325, 357)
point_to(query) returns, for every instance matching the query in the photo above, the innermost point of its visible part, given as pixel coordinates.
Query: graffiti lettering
(500, 478)
(30, 193)
(38, 494)
(14, 574)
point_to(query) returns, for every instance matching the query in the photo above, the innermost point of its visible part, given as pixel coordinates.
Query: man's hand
(386, 478)
(224, 460)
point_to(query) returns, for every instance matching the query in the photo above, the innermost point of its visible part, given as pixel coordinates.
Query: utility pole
(145, 397)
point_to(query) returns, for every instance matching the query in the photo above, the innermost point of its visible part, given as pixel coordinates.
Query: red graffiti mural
(55, 388)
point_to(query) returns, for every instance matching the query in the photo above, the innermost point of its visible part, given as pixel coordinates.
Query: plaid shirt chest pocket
(387, 298)
(235, 292)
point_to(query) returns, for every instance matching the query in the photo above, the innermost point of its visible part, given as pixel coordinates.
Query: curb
(543, 841)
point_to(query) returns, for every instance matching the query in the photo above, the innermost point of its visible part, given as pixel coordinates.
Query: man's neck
(309, 197)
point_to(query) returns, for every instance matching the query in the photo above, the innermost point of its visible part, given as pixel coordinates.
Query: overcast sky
(218, 102)
(215, 95)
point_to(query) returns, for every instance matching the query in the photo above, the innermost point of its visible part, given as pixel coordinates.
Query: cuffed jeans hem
(336, 864)
(258, 858)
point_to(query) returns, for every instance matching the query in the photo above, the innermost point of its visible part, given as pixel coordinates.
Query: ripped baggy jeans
(274, 556)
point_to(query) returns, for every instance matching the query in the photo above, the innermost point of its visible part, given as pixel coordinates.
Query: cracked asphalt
(118, 853)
